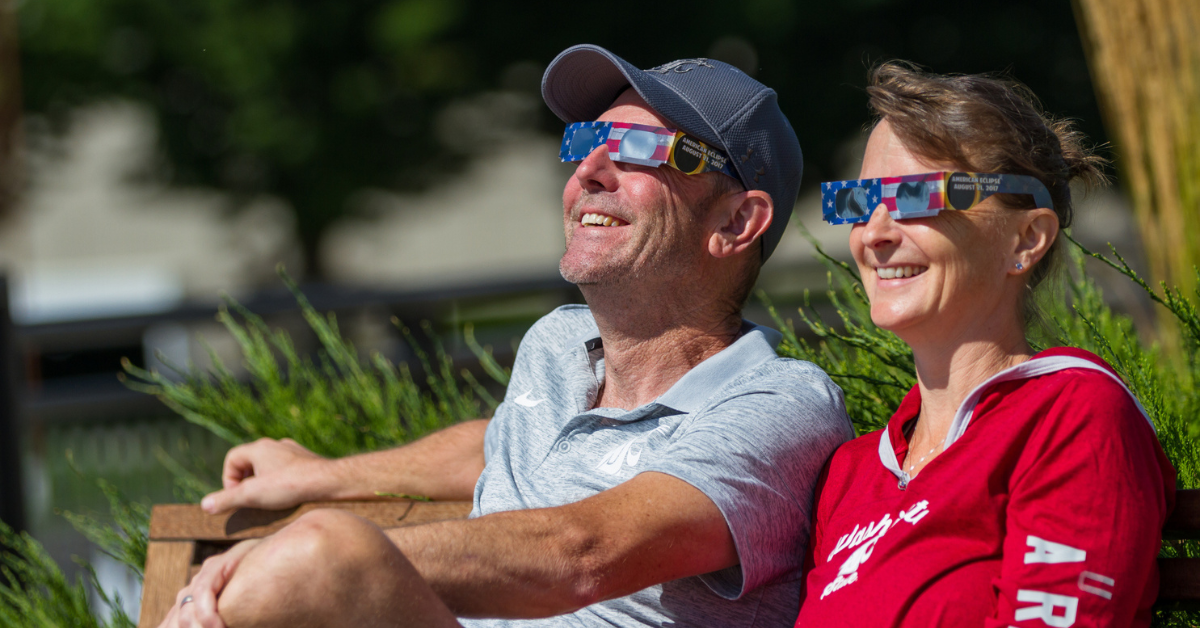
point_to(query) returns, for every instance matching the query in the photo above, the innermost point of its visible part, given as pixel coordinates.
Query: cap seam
(763, 93)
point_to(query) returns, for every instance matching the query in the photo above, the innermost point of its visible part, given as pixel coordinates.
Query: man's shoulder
(782, 375)
(786, 392)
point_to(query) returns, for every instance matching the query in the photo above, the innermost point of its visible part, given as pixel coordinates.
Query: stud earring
(1020, 266)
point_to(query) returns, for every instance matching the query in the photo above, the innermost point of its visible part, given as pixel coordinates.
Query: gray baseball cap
(712, 100)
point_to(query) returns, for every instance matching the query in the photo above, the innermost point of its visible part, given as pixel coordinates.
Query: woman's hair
(990, 125)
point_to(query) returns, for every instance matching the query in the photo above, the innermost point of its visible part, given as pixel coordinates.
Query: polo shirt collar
(755, 346)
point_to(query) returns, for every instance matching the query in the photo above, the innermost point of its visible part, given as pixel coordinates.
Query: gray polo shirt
(747, 428)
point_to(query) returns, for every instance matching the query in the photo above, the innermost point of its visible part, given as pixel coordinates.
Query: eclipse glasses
(643, 145)
(921, 195)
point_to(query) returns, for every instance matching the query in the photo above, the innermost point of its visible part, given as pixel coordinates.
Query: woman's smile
(899, 272)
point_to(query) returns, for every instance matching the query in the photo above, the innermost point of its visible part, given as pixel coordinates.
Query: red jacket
(1044, 509)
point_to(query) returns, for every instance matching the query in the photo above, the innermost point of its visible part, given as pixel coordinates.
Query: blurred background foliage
(315, 101)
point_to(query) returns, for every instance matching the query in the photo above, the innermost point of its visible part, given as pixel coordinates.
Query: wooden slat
(1179, 580)
(167, 571)
(1184, 521)
(188, 522)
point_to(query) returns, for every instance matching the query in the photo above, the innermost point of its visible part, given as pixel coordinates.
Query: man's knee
(302, 571)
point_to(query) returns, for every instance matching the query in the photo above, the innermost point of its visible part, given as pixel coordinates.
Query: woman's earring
(1020, 266)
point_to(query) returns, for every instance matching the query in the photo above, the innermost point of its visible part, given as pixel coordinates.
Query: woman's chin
(896, 322)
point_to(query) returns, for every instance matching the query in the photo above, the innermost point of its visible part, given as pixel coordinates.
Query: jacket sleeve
(1088, 498)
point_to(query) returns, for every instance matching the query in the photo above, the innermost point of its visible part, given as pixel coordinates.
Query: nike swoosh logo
(526, 401)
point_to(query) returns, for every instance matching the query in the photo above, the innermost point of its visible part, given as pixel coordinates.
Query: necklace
(913, 465)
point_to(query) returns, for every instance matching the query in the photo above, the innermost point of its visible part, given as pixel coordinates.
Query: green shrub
(35, 594)
(337, 404)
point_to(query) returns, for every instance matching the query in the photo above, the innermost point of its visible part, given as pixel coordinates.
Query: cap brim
(583, 81)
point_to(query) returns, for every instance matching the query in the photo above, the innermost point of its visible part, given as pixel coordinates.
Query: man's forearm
(514, 565)
(444, 465)
(541, 562)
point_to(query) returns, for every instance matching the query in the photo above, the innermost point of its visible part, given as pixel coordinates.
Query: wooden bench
(182, 536)
(1179, 585)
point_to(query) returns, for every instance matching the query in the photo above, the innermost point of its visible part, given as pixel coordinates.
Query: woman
(1010, 488)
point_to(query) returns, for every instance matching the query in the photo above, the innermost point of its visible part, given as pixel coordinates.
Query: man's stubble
(657, 251)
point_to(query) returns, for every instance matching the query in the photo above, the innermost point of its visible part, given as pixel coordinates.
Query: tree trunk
(1144, 57)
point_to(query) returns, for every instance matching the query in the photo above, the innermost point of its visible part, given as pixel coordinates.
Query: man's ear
(740, 220)
(1037, 230)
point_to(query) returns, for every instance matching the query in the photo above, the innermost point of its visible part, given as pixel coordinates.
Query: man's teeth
(600, 220)
(896, 272)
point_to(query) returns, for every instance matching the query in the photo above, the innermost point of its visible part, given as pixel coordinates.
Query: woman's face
(938, 277)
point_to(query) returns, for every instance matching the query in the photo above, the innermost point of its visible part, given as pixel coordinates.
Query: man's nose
(597, 173)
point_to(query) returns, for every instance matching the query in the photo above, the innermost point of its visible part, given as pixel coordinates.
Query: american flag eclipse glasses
(921, 195)
(643, 145)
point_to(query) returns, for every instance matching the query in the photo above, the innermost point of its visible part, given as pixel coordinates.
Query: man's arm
(536, 563)
(280, 474)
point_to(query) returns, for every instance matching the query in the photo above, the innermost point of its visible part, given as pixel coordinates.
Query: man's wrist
(338, 479)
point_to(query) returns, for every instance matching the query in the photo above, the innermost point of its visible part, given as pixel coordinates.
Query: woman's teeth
(600, 220)
(897, 272)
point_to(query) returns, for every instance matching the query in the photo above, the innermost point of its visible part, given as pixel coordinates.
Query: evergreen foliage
(34, 593)
(126, 538)
(336, 405)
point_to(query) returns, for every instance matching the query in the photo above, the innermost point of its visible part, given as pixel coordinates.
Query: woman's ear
(741, 219)
(1037, 229)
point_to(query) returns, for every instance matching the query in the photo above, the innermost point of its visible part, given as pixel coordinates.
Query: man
(653, 460)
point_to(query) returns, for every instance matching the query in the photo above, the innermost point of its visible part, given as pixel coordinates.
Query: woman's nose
(597, 173)
(881, 229)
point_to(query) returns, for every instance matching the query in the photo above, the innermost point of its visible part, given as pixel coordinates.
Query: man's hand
(271, 474)
(196, 604)
(275, 474)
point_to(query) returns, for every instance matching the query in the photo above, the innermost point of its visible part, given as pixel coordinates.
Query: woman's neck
(948, 371)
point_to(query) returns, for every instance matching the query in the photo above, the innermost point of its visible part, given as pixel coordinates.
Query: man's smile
(600, 220)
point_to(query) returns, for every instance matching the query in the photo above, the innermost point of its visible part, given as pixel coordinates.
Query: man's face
(657, 229)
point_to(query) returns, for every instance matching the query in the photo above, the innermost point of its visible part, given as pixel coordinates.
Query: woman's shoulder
(1085, 390)
(1074, 353)
(1081, 371)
